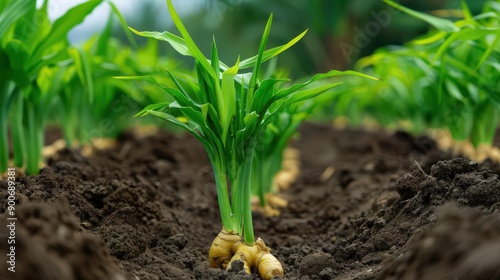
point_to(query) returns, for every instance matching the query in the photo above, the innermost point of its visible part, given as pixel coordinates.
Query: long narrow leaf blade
(193, 49)
(13, 12)
(123, 24)
(175, 41)
(65, 23)
(268, 54)
(227, 99)
(438, 23)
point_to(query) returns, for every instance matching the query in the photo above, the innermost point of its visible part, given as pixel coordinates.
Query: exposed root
(272, 205)
(340, 122)
(465, 148)
(50, 151)
(290, 169)
(269, 266)
(245, 254)
(98, 144)
(229, 249)
(144, 131)
(19, 172)
(259, 256)
(282, 180)
(223, 248)
(327, 174)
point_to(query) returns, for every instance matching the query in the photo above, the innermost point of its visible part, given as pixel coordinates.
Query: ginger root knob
(223, 248)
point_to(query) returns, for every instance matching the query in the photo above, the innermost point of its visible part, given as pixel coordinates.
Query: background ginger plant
(45, 80)
(32, 59)
(448, 78)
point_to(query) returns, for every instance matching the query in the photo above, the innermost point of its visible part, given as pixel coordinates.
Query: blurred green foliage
(340, 31)
(46, 80)
(447, 78)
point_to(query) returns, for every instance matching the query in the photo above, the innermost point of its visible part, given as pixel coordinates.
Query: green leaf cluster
(228, 112)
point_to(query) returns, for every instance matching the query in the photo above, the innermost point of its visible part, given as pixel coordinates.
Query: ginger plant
(228, 112)
(32, 64)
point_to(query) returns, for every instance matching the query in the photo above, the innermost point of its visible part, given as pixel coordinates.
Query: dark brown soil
(395, 208)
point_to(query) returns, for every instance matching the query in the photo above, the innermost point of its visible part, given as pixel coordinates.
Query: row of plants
(46, 81)
(448, 78)
(243, 115)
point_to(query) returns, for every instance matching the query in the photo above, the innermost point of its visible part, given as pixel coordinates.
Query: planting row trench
(147, 209)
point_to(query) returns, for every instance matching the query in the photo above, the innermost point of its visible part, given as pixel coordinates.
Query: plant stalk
(241, 197)
(6, 89)
(248, 234)
(31, 140)
(4, 141)
(221, 184)
(16, 130)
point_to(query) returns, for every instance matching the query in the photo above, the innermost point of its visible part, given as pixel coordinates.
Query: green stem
(40, 132)
(67, 126)
(485, 124)
(4, 143)
(16, 129)
(31, 140)
(67, 116)
(237, 197)
(241, 191)
(268, 172)
(248, 234)
(6, 89)
(223, 196)
(259, 177)
(69, 134)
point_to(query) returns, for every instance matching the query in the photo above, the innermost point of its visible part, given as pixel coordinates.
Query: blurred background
(340, 31)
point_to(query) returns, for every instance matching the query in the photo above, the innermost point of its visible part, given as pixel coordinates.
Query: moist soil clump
(395, 207)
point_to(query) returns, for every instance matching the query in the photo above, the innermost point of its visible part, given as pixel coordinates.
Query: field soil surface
(394, 207)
